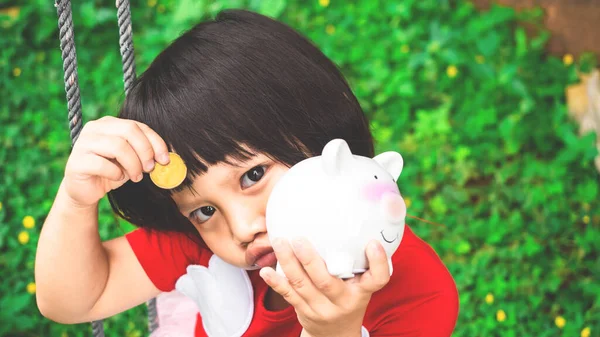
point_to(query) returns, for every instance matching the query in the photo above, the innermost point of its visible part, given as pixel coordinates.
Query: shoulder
(420, 296)
(164, 256)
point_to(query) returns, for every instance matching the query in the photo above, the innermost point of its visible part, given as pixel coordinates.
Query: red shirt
(420, 299)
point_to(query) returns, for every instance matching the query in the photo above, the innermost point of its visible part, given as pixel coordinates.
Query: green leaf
(521, 40)
(14, 304)
(272, 8)
(463, 247)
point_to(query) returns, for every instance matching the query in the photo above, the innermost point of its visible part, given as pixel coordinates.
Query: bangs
(207, 126)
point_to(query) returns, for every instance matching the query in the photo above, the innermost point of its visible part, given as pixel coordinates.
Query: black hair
(240, 79)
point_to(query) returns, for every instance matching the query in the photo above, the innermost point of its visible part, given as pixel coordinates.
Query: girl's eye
(252, 177)
(203, 214)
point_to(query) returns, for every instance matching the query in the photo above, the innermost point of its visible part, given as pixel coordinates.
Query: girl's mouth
(260, 256)
(267, 260)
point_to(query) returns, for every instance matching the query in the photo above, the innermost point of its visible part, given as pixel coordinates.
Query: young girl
(240, 99)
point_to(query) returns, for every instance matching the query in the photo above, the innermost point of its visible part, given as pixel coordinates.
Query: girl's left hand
(325, 305)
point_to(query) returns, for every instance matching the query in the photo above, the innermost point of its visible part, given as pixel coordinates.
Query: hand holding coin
(171, 175)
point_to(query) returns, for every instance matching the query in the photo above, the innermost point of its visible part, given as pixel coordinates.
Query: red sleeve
(165, 256)
(421, 298)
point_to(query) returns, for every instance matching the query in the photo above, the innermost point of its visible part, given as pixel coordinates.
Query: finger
(91, 164)
(316, 269)
(161, 150)
(281, 286)
(133, 134)
(293, 270)
(289, 264)
(113, 147)
(378, 274)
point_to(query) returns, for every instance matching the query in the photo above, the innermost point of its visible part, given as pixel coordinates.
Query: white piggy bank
(340, 202)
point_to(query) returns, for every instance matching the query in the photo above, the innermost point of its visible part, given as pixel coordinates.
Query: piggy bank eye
(376, 177)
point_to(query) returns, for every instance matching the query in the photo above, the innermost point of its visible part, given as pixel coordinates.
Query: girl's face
(227, 207)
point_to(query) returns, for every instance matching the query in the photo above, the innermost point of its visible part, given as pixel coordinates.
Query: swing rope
(69, 57)
(67, 46)
(126, 43)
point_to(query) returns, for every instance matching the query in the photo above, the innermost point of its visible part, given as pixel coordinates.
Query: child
(240, 99)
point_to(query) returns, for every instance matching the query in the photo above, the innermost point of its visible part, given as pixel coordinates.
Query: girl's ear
(391, 162)
(336, 155)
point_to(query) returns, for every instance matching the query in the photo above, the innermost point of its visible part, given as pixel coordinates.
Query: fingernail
(140, 177)
(164, 158)
(149, 165)
(265, 274)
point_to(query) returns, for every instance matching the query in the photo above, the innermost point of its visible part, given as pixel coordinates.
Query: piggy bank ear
(336, 155)
(391, 162)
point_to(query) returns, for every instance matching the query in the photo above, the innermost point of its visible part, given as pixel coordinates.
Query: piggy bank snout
(393, 207)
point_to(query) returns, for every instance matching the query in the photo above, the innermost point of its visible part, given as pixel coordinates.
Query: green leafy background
(476, 107)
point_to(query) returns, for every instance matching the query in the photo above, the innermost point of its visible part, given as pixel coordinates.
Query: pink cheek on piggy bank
(394, 207)
(374, 191)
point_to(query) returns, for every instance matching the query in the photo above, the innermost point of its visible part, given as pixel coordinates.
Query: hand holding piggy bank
(340, 202)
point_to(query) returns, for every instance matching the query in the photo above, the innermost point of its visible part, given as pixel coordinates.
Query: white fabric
(224, 296)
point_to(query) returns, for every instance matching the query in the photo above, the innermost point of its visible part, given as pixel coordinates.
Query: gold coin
(171, 175)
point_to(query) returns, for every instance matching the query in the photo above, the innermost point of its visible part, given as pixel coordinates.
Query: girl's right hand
(108, 152)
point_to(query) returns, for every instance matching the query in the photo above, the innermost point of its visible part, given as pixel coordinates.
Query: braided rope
(97, 329)
(69, 57)
(128, 60)
(126, 42)
(152, 315)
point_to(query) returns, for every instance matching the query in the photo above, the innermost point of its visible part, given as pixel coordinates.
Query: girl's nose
(393, 207)
(245, 228)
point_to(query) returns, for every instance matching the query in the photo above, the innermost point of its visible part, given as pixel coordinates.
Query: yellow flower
(586, 332)
(480, 59)
(568, 59)
(452, 71)
(31, 288)
(500, 315)
(151, 3)
(560, 322)
(17, 72)
(405, 49)
(586, 219)
(23, 237)
(12, 12)
(489, 298)
(324, 3)
(407, 202)
(28, 222)
(0, 205)
(330, 29)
